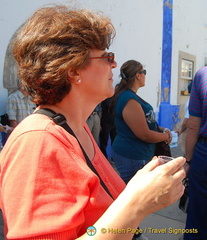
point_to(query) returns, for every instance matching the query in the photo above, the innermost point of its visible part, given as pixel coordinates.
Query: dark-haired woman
(134, 145)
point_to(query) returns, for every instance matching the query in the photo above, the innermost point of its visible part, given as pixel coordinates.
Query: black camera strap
(60, 120)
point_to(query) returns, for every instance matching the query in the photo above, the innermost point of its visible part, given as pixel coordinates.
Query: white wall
(138, 24)
(139, 35)
(189, 35)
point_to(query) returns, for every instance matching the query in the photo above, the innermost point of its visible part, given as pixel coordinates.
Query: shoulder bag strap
(60, 120)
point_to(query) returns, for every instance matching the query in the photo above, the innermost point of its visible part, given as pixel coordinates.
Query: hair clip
(122, 75)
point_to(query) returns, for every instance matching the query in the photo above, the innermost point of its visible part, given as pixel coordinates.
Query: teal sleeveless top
(126, 143)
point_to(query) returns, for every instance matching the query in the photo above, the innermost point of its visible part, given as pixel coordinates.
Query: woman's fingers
(174, 165)
(169, 168)
(151, 165)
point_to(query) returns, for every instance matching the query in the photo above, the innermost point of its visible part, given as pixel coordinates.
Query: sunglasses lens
(111, 57)
(143, 72)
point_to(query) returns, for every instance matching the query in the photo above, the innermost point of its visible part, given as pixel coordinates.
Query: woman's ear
(73, 76)
(137, 76)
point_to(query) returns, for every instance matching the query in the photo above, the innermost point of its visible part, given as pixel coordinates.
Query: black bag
(183, 204)
(4, 119)
(162, 148)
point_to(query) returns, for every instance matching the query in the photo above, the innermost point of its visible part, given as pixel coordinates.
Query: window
(186, 75)
(186, 69)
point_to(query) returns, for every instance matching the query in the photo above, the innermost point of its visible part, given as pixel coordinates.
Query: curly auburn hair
(54, 40)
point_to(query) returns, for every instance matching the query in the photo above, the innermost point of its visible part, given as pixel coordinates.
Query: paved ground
(168, 221)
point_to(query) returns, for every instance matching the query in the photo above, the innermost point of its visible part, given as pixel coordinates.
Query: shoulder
(35, 126)
(37, 137)
(123, 99)
(202, 71)
(126, 95)
(200, 76)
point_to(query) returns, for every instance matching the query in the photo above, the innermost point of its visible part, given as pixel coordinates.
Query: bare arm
(184, 126)
(192, 135)
(134, 117)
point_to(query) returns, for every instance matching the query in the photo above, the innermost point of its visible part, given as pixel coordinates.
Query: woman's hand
(152, 188)
(157, 186)
(169, 140)
(6, 129)
(9, 129)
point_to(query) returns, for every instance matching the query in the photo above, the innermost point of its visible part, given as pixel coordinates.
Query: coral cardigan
(47, 189)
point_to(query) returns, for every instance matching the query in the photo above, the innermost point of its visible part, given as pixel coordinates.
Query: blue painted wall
(168, 114)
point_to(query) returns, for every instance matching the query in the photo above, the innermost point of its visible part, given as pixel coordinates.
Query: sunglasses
(143, 72)
(110, 57)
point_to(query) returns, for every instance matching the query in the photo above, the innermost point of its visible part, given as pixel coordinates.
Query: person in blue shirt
(196, 156)
(134, 144)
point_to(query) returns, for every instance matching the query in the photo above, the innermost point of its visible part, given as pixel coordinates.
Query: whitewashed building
(168, 36)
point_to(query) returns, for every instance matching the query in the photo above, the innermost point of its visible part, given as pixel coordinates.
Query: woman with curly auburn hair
(55, 181)
(55, 41)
